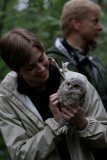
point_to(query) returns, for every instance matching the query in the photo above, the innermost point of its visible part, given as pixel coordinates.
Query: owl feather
(73, 91)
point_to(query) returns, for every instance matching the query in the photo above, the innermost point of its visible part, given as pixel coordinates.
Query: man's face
(89, 29)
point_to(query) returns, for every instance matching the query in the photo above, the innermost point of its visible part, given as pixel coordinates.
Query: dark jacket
(89, 66)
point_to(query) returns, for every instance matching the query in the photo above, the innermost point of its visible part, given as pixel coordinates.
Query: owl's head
(72, 91)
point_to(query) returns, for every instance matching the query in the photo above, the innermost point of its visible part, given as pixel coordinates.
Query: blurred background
(42, 18)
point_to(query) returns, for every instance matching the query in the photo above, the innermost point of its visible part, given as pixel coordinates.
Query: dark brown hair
(16, 46)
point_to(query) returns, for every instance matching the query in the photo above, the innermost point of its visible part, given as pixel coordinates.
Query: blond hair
(78, 9)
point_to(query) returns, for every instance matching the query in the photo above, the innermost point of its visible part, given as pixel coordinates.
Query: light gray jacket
(28, 137)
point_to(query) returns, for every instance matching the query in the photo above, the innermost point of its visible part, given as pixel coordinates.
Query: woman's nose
(40, 68)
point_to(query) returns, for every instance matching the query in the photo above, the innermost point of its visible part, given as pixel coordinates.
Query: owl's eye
(76, 86)
(68, 83)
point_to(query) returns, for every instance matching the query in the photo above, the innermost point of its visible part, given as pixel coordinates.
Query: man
(80, 27)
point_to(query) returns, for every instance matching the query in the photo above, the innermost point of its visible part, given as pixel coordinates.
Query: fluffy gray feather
(72, 91)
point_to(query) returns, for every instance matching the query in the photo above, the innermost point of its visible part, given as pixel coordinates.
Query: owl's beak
(70, 88)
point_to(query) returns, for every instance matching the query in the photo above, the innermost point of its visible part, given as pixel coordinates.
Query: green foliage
(42, 18)
(3, 69)
(101, 50)
(4, 155)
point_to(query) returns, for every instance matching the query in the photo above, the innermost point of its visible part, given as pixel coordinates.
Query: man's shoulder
(52, 50)
(55, 48)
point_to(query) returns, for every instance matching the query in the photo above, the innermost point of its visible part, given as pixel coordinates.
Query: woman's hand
(54, 107)
(75, 116)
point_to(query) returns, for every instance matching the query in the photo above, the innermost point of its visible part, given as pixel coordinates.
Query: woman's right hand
(57, 114)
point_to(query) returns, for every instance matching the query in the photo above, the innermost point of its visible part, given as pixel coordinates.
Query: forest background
(42, 18)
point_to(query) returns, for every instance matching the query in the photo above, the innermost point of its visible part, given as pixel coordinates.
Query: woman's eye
(41, 59)
(30, 68)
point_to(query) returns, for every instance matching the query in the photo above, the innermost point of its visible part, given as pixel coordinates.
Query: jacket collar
(8, 89)
(72, 53)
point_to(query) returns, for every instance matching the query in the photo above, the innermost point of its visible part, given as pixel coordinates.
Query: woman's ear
(75, 24)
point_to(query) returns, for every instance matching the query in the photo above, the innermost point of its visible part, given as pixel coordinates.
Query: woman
(30, 120)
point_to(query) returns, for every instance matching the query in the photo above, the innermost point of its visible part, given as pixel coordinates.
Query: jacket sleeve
(21, 144)
(96, 131)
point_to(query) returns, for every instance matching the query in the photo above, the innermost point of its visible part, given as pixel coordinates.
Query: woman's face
(36, 72)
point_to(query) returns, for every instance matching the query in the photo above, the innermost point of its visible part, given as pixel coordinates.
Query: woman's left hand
(75, 116)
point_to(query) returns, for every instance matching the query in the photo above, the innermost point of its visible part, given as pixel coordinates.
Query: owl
(73, 91)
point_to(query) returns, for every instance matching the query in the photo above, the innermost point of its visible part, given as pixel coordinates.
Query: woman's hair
(79, 10)
(16, 47)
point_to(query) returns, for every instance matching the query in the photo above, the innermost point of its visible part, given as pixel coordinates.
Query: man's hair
(16, 47)
(79, 10)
